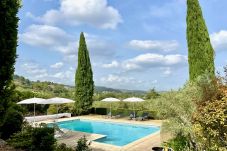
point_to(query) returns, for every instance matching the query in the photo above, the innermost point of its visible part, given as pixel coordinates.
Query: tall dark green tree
(200, 50)
(11, 117)
(8, 45)
(84, 84)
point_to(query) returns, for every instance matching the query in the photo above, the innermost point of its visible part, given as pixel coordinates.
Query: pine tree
(8, 45)
(84, 79)
(200, 50)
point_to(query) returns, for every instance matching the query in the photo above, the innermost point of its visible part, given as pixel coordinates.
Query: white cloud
(30, 66)
(219, 40)
(99, 47)
(113, 64)
(154, 81)
(50, 38)
(63, 76)
(34, 70)
(59, 75)
(154, 45)
(45, 36)
(30, 15)
(167, 71)
(55, 39)
(116, 79)
(71, 69)
(78, 12)
(57, 65)
(150, 60)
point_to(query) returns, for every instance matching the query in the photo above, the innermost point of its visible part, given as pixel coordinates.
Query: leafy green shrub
(52, 109)
(139, 113)
(63, 108)
(197, 113)
(34, 138)
(177, 108)
(63, 147)
(152, 94)
(43, 139)
(179, 143)
(12, 123)
(209, 122)
(82, 145)
(22, 139)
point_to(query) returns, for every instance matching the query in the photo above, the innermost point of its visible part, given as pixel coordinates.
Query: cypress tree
(84, 85)
(200, 50)
(8, 45)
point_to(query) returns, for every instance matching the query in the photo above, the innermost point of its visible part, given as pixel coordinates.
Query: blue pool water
(116, 133)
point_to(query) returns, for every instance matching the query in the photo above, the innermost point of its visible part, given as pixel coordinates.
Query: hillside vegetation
(50, 89)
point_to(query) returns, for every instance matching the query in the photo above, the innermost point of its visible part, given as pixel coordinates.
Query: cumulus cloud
(47, 37)
(150, 60)
(219, 40)
(167, 71)
(57, 65)
(56, 39)
(154, 81)
(66, 75)
(113, 64)
(154, 45)
(78, 12)
(111, 78)
(34, 70)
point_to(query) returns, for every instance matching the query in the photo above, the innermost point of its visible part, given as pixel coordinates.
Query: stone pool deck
(144, 144)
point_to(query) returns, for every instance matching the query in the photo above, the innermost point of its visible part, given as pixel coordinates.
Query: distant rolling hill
(47, 86)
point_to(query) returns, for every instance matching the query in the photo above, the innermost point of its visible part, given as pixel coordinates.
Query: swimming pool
(116, 133)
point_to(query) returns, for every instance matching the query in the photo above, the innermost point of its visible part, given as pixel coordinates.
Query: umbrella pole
(110, 111)
(34, 114)
(134, 110)
(57, 111)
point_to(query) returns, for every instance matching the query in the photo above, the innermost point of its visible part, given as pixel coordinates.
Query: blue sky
(132, 44)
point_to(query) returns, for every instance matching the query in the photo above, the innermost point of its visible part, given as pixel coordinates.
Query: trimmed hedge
(123, 112)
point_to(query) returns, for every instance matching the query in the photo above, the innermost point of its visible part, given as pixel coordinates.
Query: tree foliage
(84, 79)
(12, 122)
(200, 50)
(8, 45)
(152, 94)
(82, 145)
(177, 108)
(10, 118)
(39, 138)
(196, 115)
(210, 120)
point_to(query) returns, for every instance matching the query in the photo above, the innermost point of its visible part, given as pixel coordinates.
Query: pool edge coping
(100, 144)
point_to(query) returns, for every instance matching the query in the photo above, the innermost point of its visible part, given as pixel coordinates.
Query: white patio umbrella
(133, 100)
(57, 101)
(32, 101)
(110, 100)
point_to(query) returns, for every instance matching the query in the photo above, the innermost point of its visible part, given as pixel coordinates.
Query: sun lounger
(59, 132)
(143, 117)
(119, 115)
(108, 115)
(131, 116)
